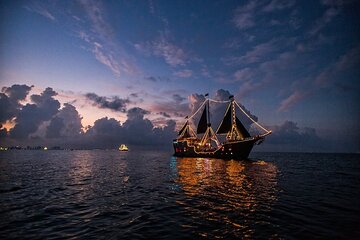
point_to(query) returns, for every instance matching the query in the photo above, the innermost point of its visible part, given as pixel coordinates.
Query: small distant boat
(123, 148)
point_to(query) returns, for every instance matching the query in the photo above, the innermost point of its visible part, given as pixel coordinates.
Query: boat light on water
(123, 148)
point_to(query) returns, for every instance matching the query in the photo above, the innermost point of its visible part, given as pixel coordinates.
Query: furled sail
(225, 125)
(242, 129)
(202, 126)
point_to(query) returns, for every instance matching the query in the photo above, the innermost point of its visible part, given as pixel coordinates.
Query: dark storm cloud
(55, 127)
(42, 121)
(30, 117)
(17, 92)
(9, 100)
(289, 137)
(7, 111)
(136, 113)
(66, 123)
(106, 133)
(72, 120)
(115, 103)
(136, 130)
(140, 130)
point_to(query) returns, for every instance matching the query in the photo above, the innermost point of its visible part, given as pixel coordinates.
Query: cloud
(256, 54)
(164, 114)
(164, 48)
(115, 103)
(31, 116)
(134, 95)
(175, 107)
(260, 51)
(336, 3)
(54, 128)
(245, 74)
(107, 59)
(238, 42)
(66, 123)
(186, 73)
(136, 113)
(328, 15)
(17, 92)
(283, 61)
(171, 53)
(248, 78)
(330, 75)
(151, 78)
(157, 79)
(334, 8)
(178, 98)
(100, 37)
(289, 137)
(43, 122)
(294, 98)
(95, 11)
(38, 8)
(276, 5)
(10, 98)
(3, 132)
(249, 86)
(244, 16)
(136, 131)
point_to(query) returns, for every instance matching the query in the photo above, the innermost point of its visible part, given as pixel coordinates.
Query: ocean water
(102, 194)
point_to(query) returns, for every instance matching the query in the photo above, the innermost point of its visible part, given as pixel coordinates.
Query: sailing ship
(237, 144)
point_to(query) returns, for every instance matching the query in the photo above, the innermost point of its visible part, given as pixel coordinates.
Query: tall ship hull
(238, 142)
(229, 150)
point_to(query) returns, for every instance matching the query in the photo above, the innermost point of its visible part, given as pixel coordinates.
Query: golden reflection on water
(80, 174)
(231, 193)
(84, 172)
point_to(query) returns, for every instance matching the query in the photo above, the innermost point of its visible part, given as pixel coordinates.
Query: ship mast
(234, 133)
(209, 134)
(231, 125)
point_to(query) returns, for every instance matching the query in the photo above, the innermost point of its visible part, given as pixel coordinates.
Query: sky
(73, 70)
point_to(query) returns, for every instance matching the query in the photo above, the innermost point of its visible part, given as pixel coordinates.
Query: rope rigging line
(212, 100)
(267, 131)
(208, 99)
(197, 110)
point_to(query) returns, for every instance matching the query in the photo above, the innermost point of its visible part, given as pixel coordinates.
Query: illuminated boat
(123, 148)
(237, 144)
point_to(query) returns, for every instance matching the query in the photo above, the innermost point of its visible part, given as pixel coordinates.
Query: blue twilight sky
(285, 61)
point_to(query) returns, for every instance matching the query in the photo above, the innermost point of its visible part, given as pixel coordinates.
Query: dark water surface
(132, 195)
